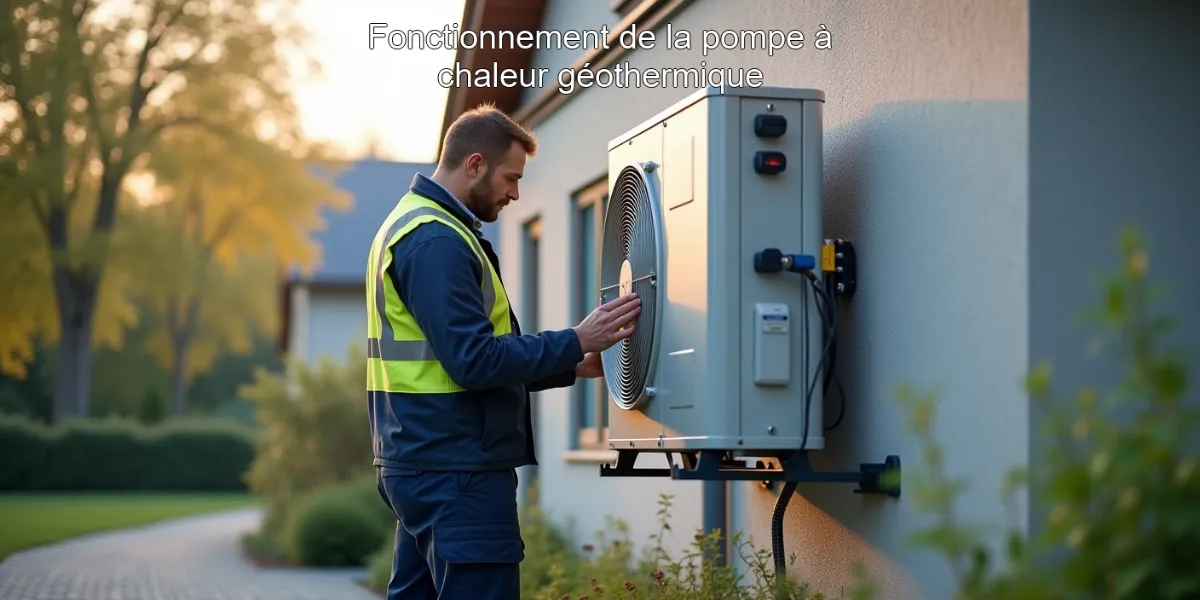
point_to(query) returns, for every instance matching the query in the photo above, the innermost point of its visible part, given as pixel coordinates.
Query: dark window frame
(589, 415)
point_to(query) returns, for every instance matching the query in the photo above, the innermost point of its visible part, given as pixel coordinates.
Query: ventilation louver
(632, 260)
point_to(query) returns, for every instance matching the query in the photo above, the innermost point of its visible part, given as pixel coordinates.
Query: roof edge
(649, 15)
(479, 15)
(456, 98)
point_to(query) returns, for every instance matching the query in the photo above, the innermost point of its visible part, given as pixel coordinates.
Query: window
(531, 237)
(590, 414)
(530, 274)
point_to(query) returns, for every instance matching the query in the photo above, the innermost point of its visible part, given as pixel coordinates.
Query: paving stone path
(196, 558)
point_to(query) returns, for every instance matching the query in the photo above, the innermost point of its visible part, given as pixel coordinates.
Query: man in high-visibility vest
(449, 372)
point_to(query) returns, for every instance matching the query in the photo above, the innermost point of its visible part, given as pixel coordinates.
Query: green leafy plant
(610, 566)
(314, 432)
(1119, 485)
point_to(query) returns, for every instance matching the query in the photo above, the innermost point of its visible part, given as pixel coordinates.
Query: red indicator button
(769, 162)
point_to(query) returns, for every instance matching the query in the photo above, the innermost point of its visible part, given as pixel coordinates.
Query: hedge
(121, 455)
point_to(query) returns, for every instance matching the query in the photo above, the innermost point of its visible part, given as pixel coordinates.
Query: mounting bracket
(794, 466)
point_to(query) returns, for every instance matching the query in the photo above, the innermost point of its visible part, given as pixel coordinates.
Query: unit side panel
(777, 340)
(641, 426)
(685, 218)
(721, 412)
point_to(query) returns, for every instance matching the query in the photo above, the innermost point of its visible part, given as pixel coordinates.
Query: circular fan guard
(631, 260)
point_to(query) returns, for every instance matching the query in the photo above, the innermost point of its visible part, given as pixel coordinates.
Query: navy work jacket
(488, 426)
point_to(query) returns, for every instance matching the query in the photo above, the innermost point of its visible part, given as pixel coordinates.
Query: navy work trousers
(457, 536)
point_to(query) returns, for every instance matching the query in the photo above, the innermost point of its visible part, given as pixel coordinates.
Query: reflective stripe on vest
(399, 357)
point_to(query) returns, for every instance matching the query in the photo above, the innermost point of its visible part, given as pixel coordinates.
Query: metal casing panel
(782, 211)
(717, 212)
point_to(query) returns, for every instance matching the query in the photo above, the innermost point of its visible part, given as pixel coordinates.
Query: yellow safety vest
(399, 357)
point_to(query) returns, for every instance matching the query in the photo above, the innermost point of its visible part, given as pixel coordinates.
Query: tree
(233, 215)
(90, 90)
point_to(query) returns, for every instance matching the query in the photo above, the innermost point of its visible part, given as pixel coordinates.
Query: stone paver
(197, 558)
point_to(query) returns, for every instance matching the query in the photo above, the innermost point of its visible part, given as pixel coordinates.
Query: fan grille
(631, 261)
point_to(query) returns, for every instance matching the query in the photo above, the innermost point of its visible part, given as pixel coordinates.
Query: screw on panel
(770, 108)
(650, 391)
(841, 287)
(771, 429)
(649, 167)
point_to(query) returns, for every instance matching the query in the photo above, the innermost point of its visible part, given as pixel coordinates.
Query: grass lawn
(28, 520)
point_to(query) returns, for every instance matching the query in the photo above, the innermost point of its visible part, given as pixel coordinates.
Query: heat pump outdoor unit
(722, 356)
(709, 202)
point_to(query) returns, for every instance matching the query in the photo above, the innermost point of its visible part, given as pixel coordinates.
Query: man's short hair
(486, 130)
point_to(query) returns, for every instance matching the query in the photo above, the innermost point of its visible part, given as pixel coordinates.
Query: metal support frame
(794, 466)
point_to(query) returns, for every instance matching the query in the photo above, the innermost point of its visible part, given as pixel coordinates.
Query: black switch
(769, 162)
(771, 126)
(768, 261)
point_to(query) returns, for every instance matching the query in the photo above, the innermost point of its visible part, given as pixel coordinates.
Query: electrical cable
(820, 294)
(831, 369)
(841, 404)
(785, 495)
(777, 549)
(821, 310)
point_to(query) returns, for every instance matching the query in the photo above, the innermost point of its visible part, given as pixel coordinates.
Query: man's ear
(476, 165)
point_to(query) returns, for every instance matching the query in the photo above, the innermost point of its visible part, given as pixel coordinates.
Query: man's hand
(608, 324)
(591, 367)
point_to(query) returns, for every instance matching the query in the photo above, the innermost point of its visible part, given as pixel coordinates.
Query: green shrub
(1120, 486)
(379, 566)
(117, 454)
(365, 489)
(332, 528)
(361, 492)
(315, 432)
(26, 446)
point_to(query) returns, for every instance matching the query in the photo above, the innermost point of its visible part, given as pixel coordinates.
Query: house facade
(982, 156)
(325, 312)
